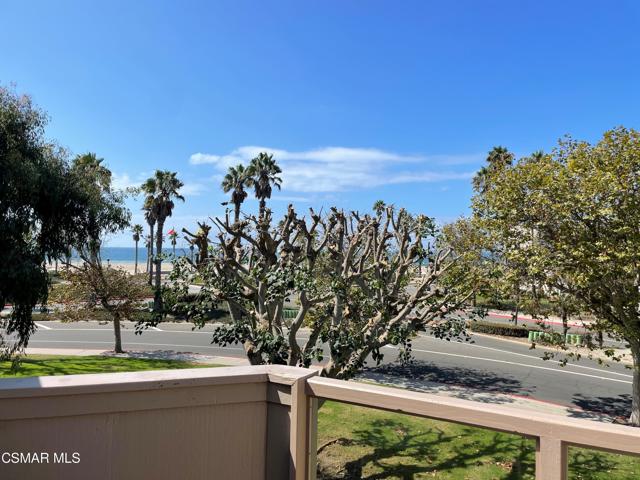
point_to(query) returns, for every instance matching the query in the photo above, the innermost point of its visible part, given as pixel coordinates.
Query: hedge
(498, 329)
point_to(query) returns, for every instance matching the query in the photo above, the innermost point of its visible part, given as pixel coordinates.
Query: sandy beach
(129, 267)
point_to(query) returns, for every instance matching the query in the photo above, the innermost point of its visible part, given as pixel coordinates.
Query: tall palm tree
(497, 159)
(147, 244)
(150, 215)
(264, 171)
(164, 187)
(235, 181)
(173, 235)
(137, 231)
(96, 179)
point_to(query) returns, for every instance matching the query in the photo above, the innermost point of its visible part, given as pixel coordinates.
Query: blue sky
(360, 100)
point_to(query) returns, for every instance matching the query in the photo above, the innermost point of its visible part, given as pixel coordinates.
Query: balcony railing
(236, 423)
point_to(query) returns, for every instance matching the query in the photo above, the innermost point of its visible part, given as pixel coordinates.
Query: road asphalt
(485, 368)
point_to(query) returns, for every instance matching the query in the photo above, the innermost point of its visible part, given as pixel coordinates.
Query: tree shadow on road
(467, 383)
(597, 407)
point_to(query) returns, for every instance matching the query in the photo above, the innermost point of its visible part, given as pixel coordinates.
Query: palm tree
(137, 231)
(163, 187)
(235, 181)
(497, 159)
(173, 235)
(97, 180)
(264, 171)
(150, 215)
(147, 244)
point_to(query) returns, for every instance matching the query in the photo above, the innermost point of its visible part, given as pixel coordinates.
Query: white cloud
(333, 169)
(192, 189)
(122, 181)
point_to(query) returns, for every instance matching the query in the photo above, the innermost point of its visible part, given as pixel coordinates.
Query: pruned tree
(352, 276)
(200, 240)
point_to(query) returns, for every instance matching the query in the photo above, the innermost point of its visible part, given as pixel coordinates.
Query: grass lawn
(41, 365)
(356, 442)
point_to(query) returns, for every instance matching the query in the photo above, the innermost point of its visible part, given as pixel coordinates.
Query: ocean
(127, 254)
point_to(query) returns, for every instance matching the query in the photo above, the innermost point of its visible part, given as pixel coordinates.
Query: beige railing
(236, 423)
(553, 433)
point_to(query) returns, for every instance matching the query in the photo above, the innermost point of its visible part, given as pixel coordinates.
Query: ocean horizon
(127, 254)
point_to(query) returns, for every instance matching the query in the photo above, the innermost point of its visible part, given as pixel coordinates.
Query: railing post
(299, 435)
(551, 459)
(312, 444)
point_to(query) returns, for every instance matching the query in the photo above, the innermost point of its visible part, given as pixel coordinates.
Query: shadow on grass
(396, 451)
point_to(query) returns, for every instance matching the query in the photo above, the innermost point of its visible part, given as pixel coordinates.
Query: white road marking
(136, 343)
(125, 330)
(40, 325)
(515, 363)
(534, 357)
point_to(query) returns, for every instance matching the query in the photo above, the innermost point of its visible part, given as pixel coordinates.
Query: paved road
(486, 364)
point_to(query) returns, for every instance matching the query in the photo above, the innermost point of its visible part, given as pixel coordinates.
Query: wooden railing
(239, 422)
(553, 433)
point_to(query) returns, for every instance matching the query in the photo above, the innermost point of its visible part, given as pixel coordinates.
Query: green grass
(356, 442)
(43, 365)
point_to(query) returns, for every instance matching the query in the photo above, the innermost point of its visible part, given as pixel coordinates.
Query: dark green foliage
(39, 207)
(498, 329)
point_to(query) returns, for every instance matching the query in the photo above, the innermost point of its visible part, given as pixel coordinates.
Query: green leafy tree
(161, 190)
(137, 231)
(571, 219)
(264, 171)
(91, 284)
(91, 290)
(40, 205)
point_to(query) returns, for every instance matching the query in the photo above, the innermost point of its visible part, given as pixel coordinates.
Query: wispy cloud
(193, 189)
(334, 169)
(122, 181)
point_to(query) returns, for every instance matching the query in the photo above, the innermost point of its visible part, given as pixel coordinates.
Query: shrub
(498, 329)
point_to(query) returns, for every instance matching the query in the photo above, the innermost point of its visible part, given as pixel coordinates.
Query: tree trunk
(116, 331)
(634, 418)
(135, 269)
(236, 213)
(157, 302)
(565, 323)
(150, 254)
(263, 207)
